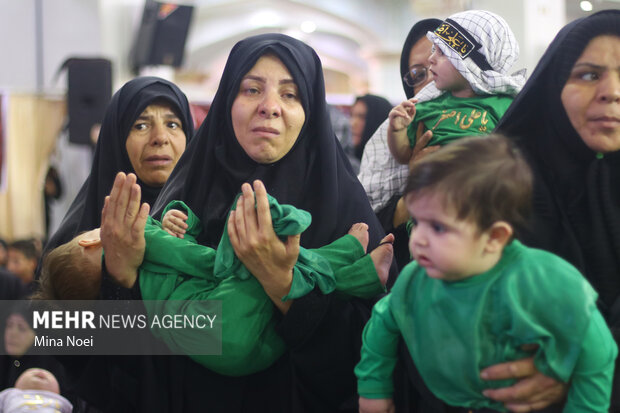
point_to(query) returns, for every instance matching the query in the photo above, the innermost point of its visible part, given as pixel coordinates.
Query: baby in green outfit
(179, 269)
(474, 296)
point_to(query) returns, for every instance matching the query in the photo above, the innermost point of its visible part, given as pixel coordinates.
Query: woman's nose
(269, 106)
(159, 135)
(609, 87)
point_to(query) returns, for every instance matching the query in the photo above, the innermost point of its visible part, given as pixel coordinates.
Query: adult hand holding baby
(256, 244)
(533, 391)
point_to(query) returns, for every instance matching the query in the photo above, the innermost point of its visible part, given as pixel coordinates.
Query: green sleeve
(166, 253)
(169, 261)
(590, 389)
(194, 226)
(354, 270)
(379, 353)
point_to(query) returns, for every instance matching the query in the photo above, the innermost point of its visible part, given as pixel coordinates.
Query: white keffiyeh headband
(481, 46)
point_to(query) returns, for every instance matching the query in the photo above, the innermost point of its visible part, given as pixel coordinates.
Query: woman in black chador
(269, 121)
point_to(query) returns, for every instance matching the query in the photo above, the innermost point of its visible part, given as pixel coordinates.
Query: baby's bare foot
(360, 231)
(382, 257)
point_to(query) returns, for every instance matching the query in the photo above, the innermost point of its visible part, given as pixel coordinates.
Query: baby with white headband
(471, 89)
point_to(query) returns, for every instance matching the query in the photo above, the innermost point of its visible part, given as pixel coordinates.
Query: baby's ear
(95, 242)
(499, 235)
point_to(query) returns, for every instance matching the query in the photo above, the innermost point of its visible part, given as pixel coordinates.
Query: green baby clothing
(451, 118)
(177, 269)
(453, 330)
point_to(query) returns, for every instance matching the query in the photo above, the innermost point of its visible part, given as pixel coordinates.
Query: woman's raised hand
(256, 244)
(122, 229)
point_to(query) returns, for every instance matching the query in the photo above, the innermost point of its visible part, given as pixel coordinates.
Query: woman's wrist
(278, 285)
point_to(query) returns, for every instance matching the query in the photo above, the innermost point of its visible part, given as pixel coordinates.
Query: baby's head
(72, 271)
(475, 49)
(37, 379)
(480, 187)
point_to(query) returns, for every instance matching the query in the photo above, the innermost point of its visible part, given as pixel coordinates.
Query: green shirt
(180, 269)
(451, 118)
(453, 330)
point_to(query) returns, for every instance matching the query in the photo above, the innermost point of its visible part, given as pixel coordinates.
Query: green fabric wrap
(311, 269)
(177, 277)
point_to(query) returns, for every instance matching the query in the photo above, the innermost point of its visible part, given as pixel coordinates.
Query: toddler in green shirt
(180, 270)
(474, 296)
(471, 89)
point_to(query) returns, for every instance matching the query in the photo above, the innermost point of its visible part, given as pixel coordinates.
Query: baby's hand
(376, 405)
(402, 115)
(174, 223)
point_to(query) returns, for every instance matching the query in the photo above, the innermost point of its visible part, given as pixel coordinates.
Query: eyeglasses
(416, 75)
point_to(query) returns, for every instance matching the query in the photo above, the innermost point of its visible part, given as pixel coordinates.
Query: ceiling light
(308, 26)
(586, 5)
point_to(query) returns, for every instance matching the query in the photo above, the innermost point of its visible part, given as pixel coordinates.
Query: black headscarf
(111, 154)
(314, 175)
(417, 32)
(577, 196)
(378, 110)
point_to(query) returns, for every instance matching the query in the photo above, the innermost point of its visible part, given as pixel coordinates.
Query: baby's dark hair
(67, 275)
(484, 179)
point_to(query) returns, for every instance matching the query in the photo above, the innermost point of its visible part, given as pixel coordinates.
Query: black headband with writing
(463, 44)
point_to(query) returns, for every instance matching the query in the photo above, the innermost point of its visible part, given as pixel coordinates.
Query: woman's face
(267, 114)
(155, 144)
(18, 336)
(591, 96)
(358, 121)
(418, 58)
